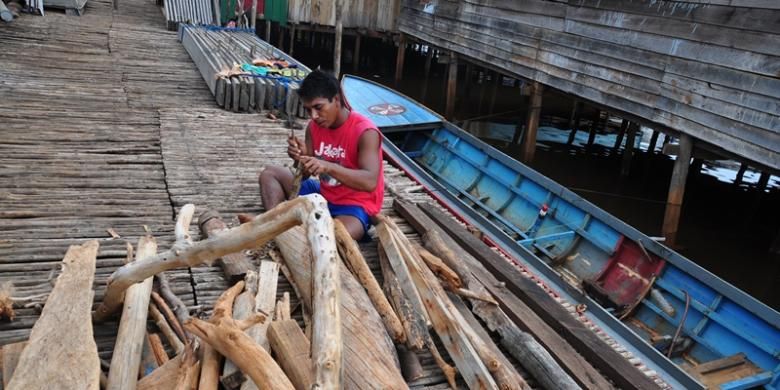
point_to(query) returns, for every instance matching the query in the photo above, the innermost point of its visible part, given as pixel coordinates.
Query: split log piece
(126, 359)
(226, 336)
(173, 321)
(11, 354)
(243, 308)
(440, 269)
(158, 350)
(61, 352)
(164, 377)
(165, 329)
(413, 322)
(283, 308)
(356, 263)
(291, 348)
(234, 265)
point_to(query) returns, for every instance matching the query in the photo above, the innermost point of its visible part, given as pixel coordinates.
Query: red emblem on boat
(387, 109)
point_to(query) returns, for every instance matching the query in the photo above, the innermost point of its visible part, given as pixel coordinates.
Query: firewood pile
(358, 333)
(244, 73)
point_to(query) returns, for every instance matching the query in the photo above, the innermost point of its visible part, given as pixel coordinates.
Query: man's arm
(362, 179)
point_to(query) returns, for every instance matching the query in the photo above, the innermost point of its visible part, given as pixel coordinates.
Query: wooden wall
(372, 15)
(707, 68)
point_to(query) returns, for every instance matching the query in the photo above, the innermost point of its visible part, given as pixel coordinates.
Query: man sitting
(343, 148)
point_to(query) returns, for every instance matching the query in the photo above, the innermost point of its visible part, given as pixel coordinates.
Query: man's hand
(314, 166)
(295, 148)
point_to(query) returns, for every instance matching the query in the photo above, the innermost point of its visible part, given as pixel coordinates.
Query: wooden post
(126, 358)
(452, 81)
(337, 43)
(253, 19)
(428, 58)
(763, 181)
(217, 13)
(292, 40)
(61, 352)
(399, 58)
(482, 89)
(620, 135)
(594, 127)
(356, 54)
(740, 174)
(467, 86)
(628, 152)
(534, 111)
(574, 121)
(677, 190)
(653, 142)
(280, 38)
(496, 83)
(267, 30)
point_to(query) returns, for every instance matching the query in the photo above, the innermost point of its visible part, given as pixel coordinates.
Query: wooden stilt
(428, 58)
(628, 153)
(696, 165)
(763, 181)
(280, 41)
(774, 248)
(574, 120)
(534, 111)
(267, 30)
(356, 54)
(217, 16)
(452, 84)
(677, 190)
(740, 174)
(337, 41)
(620, 135)
(253, 19)
(494, 92)
(595, 125)
(482, 89)
(292, 40)
(399, 58)
(467, 86)
(653, 142)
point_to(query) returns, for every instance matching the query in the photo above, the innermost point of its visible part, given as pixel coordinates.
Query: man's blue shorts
(311, 186)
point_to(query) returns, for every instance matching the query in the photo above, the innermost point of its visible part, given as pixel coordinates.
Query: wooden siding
(708, 70)
(373, 15)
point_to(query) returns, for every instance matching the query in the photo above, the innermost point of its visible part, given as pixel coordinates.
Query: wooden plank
(291, 348)
(604, 358)
(62, 352)
(11, 353)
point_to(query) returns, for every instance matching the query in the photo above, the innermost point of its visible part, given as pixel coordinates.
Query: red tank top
(340, 146)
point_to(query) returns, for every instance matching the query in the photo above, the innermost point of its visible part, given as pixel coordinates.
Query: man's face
(323, 112)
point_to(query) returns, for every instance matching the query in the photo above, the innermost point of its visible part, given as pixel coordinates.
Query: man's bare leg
(275, 185)
(353, 225)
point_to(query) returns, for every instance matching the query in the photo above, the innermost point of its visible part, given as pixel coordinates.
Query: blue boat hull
(638, 289)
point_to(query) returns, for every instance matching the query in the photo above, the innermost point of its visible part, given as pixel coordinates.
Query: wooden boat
(639, 291)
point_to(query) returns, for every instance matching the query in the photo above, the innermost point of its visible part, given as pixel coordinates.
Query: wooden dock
(108, 130)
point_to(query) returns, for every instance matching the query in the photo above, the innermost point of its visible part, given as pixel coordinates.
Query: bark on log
(234, 265)
(369, 356)
(11, 355)
(126, 358)
(62, 352)
(226, 335)
(164, 377)
(291, 348)
(356, 263)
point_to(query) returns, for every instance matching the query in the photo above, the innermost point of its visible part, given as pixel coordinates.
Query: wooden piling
(628, 151)
(253, 19)
(740, 174)
(356, 54)
(337, 42)
(428, 59)
(496, 83)
(620, 135)
(574, 120)
(292, 40)
(452, 81)
(677, 190)
(267, 30)
(280, 40)
(399, 58)
(534, 110)
(653, 142)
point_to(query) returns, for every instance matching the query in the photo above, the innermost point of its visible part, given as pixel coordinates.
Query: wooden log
(11, 354)
(523, 347)
(291, 348)
(189, 370)
(356, 263)
(62, 352)
(158, 350)
(169, 315)
(253, 19)
(621, 134)
(165, 329)
(369, 356)
(534, 112)
(478, 365)
(226, 336)
(586, 342)
(439, 269)
(247, 236)
(574, 121)
(234, 265)
(164, 377)
(126, 358)
(243, 308)
(677, 190)
(174, 302)
(210, 363)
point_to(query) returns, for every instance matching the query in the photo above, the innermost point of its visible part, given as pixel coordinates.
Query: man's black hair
(319, 84)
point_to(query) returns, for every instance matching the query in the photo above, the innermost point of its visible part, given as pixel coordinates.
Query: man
(343, 148)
